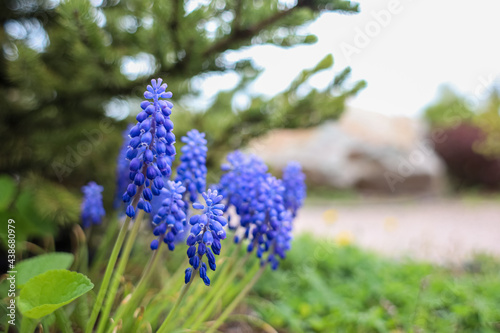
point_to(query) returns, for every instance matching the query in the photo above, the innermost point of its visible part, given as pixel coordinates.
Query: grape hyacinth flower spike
(192, 171)
(150, 149)
(281, 241)
(92, 209)
(295, 187)
(205, 236)
(265, 215)
(238, 185)
(122, 169)
(170, 217)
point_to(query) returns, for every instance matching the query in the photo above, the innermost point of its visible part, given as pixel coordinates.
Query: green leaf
(31, 267)
(310, 39)
(325, 63)
(45, 293)
(8, 187)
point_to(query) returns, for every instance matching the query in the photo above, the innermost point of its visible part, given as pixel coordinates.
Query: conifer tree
(63, 61)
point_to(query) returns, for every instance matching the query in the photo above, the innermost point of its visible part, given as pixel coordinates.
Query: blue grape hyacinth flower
(192, 171)
(238, 185)
(266, 206)
(122, 169)
(150, 149)
(281, 242)
(92, 208)
(295, 187)
(157, 201)
(205, 237)
(169, 220)
(264, 215)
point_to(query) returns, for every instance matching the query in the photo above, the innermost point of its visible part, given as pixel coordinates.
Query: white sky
(424, 45)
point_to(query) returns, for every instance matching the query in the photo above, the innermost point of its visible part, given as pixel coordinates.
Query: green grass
(477, 196)
(323, 194)
(321, 287)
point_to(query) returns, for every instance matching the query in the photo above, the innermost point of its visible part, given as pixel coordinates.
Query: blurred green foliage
(489, 121)
(452, 109)
(38, 206)
(64, 63)
(321, 287)
(466, 134)
(229, 131)
(56, 91)
(449, 110)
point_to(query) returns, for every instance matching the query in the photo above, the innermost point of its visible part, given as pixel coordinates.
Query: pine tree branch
(41, 14)
(174, 27)
(237, 15)
(239, 35)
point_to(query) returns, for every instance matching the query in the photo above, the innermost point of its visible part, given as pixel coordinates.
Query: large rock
(363, 150)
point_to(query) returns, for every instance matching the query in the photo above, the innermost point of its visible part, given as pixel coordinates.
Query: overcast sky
(404, 50)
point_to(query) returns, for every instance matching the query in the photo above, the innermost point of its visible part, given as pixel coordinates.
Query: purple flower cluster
(259, 200)
(92, 209)
(265, 205)
(206, 233)
(282, 240)
(192, 171)
(150, 149)
(122, 169)
(169, 220)
(265, 215)
(238, 185)
(295, 187)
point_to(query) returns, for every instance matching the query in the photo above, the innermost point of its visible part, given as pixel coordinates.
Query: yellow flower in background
(344, 238)
(330, 216)
(390, 224)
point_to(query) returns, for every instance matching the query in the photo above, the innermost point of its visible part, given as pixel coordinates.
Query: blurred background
(392, 108)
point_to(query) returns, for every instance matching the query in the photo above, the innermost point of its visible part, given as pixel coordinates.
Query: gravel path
(441, 231)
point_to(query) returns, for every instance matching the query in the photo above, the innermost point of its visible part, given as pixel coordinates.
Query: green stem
(138, 319)
(124, 310)
(115, 283)
(187, 316)
(107, 276)
(164, 326)
(155, 307)
(235, 253)
(254, 321)
(236, 301)
(81, 313)
(209, 303)
(111, 230)
(200, 291)
(33, 248)
(232, 292)
(218, 283)
(62, 321)
(28, 325)
(87, 233)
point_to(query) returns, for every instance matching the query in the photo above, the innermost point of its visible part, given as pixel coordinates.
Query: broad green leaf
(31, 267)
(45, 293)
(8, 186)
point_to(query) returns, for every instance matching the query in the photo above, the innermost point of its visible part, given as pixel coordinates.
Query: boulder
(363, 150)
